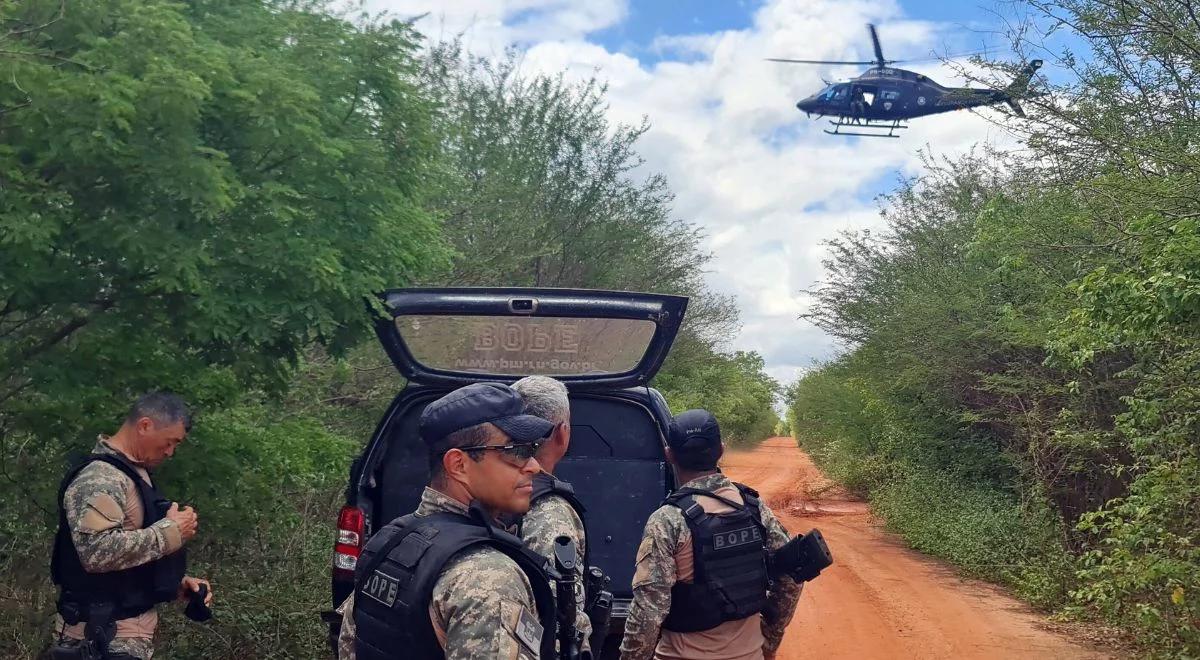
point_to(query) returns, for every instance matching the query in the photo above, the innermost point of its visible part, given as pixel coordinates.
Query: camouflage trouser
(124, 648)
(137, 647)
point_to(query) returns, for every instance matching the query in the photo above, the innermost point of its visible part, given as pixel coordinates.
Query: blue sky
(763, 182)
(646, 20)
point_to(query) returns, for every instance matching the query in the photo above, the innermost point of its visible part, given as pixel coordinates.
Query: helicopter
(881, 99)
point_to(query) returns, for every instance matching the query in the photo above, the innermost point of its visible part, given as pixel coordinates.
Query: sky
(765, 184)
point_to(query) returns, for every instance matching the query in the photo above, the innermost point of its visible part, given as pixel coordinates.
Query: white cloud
(766, 184)
(488, 26)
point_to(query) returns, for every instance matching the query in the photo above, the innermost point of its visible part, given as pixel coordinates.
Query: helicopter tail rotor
(1020, 84)
(1019, 87)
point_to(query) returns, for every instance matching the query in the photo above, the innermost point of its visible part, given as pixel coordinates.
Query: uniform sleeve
(485, 606)
(345, 642)
(785, 592)
(95, 505)
(653, 578)
(551, 517)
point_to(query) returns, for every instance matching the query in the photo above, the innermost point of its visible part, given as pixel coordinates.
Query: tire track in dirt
(880, 599)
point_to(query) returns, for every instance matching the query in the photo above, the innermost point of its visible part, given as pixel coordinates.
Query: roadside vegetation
(201, 196)
(1020, 392)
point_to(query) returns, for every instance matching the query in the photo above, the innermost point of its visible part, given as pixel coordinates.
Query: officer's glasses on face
(513, 454)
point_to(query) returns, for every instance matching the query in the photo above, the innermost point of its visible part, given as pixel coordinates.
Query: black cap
(693, 431)
(478, 403)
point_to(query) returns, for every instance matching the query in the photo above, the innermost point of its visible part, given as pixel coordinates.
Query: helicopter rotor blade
(777, 59)
(879, 61)
(948, 56)
(918, 60)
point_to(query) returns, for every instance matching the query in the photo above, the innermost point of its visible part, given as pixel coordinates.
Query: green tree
(191, 194)
(948, 311)
(735, 388)
(216, 185)
(542, 190)
(1130, 125)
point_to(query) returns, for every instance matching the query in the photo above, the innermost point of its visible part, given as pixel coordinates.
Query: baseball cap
(478, 403)
(695, 438)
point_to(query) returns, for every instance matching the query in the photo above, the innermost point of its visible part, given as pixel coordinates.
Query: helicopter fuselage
(888, 94)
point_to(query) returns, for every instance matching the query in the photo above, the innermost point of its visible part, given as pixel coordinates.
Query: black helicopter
(877, 102)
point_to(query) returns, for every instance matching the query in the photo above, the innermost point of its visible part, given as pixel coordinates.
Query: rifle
(803, 558)
(565, 557)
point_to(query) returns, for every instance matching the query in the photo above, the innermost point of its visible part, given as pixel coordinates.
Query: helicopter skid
(865, 127)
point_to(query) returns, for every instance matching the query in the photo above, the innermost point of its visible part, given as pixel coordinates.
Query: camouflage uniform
(476, 603)
(666, 533)
(345, 641)
(105, 517)
(552, 516)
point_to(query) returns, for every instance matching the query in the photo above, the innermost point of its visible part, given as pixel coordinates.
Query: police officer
(117, 552)
(446, 581)
(700, 588)
(554, 509)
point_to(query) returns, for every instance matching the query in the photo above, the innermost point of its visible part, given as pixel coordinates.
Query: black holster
(74, 650)
(598, 607)
(100, 627)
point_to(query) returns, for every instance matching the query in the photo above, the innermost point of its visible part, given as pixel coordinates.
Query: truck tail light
(349, 542)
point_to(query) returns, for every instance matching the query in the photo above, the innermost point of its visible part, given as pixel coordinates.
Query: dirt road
(879, 599)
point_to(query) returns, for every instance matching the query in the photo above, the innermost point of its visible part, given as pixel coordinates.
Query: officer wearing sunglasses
(446, 580)
(516, 455)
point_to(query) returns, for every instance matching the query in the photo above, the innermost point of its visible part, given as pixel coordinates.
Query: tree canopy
(193, 193)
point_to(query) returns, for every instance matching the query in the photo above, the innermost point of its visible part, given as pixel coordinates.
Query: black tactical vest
(544, 484)
(131, 591)
(393, 583)
(730, 579)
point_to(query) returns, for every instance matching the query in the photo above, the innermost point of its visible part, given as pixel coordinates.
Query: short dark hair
(164, 408)
(472, 436)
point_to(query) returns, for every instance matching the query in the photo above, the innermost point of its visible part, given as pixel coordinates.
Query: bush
(1145, 571)
(986, 532)
(937, 498)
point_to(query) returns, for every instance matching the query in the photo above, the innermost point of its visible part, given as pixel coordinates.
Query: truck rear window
(516, 346)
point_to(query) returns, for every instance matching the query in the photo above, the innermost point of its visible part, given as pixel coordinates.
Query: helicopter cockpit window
(839, 92)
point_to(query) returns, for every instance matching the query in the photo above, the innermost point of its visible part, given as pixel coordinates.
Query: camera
(803, 558)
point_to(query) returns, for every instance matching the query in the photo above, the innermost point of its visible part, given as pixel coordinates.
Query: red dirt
(880, 599)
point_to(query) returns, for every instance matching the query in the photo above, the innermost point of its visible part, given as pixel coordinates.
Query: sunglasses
(515, 455)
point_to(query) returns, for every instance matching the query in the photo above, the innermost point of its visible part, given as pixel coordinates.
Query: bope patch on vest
(382, 587)
(736, 537)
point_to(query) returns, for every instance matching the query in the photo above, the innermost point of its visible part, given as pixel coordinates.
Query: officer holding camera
(118, 551)
(703, 586)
